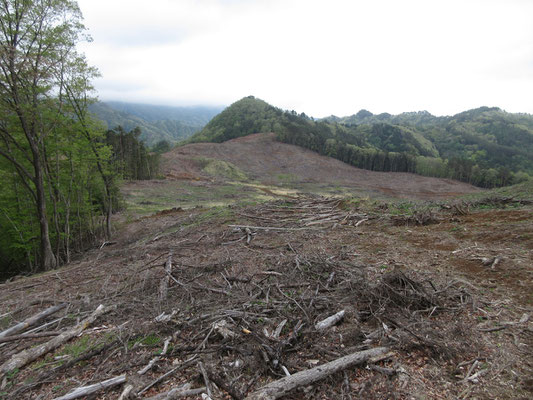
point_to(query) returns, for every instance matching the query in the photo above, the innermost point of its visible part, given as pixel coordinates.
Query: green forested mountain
(157, 123)
(248, 115)
(486, 146)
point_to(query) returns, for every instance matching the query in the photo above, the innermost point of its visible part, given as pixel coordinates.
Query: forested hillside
(157, 123)
(486, 147)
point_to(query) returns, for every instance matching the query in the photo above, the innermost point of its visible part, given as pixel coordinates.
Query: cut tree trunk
(87, 390)
(281, 387)
(25, 357)
(31, 320)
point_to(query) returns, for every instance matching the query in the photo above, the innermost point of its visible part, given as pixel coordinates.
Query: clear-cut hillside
(262, 158)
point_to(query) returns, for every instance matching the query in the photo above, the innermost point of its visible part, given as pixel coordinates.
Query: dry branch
(330, 321)
(152, 362)
(25, 357)
(176, 393)
(28, 336)
(267, 228)
(281, 387)
(165, 281)
(87, 390)
(206, 379)
(34, 319)
(173, 370)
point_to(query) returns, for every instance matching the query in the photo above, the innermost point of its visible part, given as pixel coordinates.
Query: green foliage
(246, 116)
(130, 157)
(77, 348)
(486, 147)
(162, 147)
(57, 171)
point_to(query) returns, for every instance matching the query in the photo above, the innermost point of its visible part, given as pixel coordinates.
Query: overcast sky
(318, 57)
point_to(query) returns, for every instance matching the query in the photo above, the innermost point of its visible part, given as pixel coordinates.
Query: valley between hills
(219, 274)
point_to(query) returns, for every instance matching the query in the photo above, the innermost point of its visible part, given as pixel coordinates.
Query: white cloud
(316, 56)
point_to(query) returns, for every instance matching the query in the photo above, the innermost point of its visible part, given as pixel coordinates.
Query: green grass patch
(5, 322)
(77, 348)
(224, 169)
(151, 340)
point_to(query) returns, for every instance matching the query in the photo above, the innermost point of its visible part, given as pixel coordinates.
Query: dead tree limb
(152, 362)
(28, 336)
(267, 228)
(32, 320)
(165, 281)
(329, 321)
(87, 390)
(206, 379)
(176, 393)
(25, 357)
(281, 387)
(173, 370)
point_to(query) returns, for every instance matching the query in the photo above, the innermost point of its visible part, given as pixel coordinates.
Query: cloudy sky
(320, 57)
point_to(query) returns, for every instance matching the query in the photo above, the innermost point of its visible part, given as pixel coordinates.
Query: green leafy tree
(38, 59)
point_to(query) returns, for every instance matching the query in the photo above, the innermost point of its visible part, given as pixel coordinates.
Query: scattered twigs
(152, 362)
(21, 359)
(43, 377)
(34, 319)
(167, 374)
(281, 387)
(222, 384)
(88, 390)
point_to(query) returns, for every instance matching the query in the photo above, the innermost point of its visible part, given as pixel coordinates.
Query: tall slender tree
(38, 41)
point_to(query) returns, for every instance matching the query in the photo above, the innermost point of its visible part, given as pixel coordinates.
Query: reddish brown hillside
(264, 159)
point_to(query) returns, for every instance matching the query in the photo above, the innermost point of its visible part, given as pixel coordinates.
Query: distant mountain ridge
(485, 146)
(157, 123)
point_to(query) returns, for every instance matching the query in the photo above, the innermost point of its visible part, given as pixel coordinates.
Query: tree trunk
(48, 260)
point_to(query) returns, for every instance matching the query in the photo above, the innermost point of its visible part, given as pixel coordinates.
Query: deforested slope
(263, 158)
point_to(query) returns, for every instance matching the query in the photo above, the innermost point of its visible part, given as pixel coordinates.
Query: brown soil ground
(263, 159)
(456, 328)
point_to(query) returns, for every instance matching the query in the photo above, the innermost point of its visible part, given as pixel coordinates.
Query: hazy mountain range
(157, 123)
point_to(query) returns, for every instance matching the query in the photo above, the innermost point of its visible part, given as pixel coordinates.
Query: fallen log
(87, 390)
(329, 321)
(25, 357)
(267, 228)
(31, 320)
(28, 336)
(281, 387)
(176, 393)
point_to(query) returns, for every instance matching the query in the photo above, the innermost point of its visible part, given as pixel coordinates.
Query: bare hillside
(264, 159)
